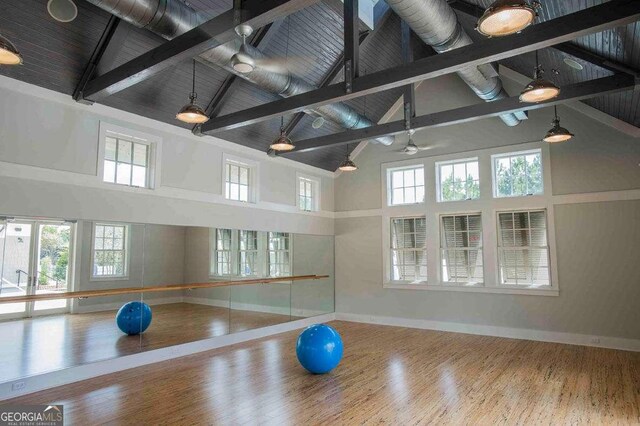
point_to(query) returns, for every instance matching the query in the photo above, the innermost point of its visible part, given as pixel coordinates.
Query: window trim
(494, 183)
(263, 254)
(254, 178)
(127, 250)
(438, 164)
(154, 155)
(389, 190)
(267, 271)
(487, 205)
(316, 183)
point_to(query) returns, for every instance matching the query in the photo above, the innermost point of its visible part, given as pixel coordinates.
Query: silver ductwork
(436, 23)
(170, 18)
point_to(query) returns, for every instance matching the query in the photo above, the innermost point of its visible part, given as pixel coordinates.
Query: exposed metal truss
(556, 31)
(213, 33)
(575, 92)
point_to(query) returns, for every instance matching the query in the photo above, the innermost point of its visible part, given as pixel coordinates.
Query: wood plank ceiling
(55, 55)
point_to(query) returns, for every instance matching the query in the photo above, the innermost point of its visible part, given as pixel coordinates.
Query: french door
(36, 257)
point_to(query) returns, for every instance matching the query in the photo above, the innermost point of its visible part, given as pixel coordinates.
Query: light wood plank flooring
(388, 375)
(48, 343)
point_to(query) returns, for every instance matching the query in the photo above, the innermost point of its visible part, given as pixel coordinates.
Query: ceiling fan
(244, 62)
(411, 148)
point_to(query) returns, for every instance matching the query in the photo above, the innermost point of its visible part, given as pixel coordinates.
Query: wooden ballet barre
(153, 289)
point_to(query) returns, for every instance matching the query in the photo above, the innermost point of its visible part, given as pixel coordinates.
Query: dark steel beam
(351, 43)
(338, 64)
(572, 93)
(213, 33)
(567, 48)
(214, 105)
(96, 56)
(336, 67)
(591, 20)
(409, 93)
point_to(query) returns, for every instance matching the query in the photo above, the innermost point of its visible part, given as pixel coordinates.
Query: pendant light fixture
(242, 61)
(192, 113)
(557, 133)
(539, 89)
(282, 142)
(347, 165)
(506, 17)
(9, 55)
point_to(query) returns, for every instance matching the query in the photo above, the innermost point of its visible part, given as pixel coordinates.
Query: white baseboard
(83, 372)
(507, 332)
(114, 306)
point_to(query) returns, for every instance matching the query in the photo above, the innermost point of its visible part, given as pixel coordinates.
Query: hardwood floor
(388, 375)
(48, 343)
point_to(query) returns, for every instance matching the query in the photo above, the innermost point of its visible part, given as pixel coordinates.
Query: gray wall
(313, 254)
(597, 243)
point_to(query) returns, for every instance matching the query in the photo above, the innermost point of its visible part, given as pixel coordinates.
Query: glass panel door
(52, 265)
(15, 262)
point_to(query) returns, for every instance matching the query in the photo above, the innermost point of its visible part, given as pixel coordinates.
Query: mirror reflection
(191, 283)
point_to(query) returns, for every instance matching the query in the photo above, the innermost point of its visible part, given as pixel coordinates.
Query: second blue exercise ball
(319, 348)
(133, 317)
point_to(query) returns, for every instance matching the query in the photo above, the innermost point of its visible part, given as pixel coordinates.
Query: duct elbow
(385, 140)
(510, 120)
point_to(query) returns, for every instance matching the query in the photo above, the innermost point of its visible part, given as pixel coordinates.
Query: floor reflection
(38, 345)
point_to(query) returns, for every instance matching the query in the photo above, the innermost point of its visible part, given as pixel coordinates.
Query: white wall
(48, 165)
(595, 179)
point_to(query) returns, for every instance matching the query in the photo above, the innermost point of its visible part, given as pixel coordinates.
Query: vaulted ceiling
(56, 54)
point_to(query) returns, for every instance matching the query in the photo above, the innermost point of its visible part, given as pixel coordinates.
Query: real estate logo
(31, 415)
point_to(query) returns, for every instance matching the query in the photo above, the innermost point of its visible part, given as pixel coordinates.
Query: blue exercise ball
(319, 348)
(133, 317)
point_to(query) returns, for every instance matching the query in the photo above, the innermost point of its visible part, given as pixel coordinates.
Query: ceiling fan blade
(283, 65)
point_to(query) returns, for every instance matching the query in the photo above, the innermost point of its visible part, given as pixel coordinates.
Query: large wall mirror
(42, 258)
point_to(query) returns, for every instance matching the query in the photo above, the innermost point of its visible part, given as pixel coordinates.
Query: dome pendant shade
(506, 17)
(282, 142)
(348, 165)
(9, 55)
(192, 113)
(557, 133)
(539, 90)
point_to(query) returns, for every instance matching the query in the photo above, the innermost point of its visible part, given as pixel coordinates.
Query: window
(408, 249)
(523, 252)
(278, 255)
(308, 194)
(461, 248)
(405, 185)
(458, 180)
(237, 182)
(240, 179)
(127, 157)
(517, 174)
(223, 252)
(110, 251)
(248, 253)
